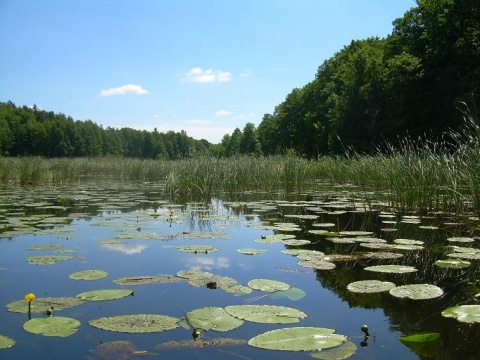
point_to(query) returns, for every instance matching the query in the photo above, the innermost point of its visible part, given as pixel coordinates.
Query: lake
(265, 250)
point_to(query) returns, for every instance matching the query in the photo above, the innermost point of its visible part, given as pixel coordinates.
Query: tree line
(372, 92)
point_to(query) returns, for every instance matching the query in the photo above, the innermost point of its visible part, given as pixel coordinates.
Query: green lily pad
(293, 294)
(113, 350)
(6, 342)
(370, 286)
(148, 279)
(452, 264)
(39, 305)
(298, 339)
(48, 259)
(408, 242)
(276, 238)
(88, 275)
(266, 314)
(237, 290)
(197, 249)
(213, 318)
(464, 313)
(318, 264)
(423, 344)
(417, 291)
(296, 242)
(268, 285)
(341, 352)
(200, 344)
(397, 269)
(140, 323)
(107, 294)
(45, 247)
(52, 326)
(461, 239)
(250, 251)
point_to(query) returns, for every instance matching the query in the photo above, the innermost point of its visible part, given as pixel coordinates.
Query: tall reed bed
(415, 176)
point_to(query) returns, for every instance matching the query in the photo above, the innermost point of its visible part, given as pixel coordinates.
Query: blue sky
(204, 66)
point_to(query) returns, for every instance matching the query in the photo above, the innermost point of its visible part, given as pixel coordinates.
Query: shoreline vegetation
(422, 177)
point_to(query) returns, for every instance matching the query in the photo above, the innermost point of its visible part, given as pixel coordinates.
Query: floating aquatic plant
(464, 313)
(266, 314)
(88, 275)
(370, 286)
(106, 294)
(397, 269)
(6, 342)
(139, 323)
(52, 326)
(212, 318)
(341, 352)
(417, 291)
(268, 285)
(298, 339)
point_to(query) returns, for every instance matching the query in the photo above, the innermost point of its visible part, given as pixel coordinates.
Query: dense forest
(373, 91)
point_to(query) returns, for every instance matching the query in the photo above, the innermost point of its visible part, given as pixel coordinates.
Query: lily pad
(52, 326)
(107, 294)
(423, 344)
(113, 350)
(452, 264)
(268, 285)
(397, 269)
(318, 264)
(140, 323)
(48, 259)
(370, 286)
(250, 251)
(464, 313)
(148, 279)
(293, 294)
(45, 247)
(213, 318)
(200, 344)
(266, 314)
(461, 239)
(197, 249)
(417, 291)
(42, 304)
(6, 342)
(298, 339)
(88, 275)
(341, 352)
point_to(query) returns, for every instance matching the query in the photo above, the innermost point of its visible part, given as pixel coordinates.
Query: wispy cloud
(223, 113)
(245, 73)
(198, 75)
(125, 90)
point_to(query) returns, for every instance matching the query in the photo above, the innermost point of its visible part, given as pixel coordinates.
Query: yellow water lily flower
(29, 297)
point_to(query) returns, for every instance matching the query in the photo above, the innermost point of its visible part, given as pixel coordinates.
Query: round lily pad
(45, 247)
(268, 285)
(249, 251)
(6, 342)
(213, 318)
(319, 264)
(370, 286)
(88, 275)
(464, 313)
(266, 314)
(48, 259)
(298, 339)
(293, 293)
(197, 249)
(344, 351)
(148, 279)
(108, 294)
(110, 350)
(460, 239)
(52, 326)
(398, 269)
(42, 304)
(140, 323)
(417, 291)
(452, 264)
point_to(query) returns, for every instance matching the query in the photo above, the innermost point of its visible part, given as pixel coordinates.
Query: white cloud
(223, 113)
(245, 73)
(126, 249)
(125, 90)
(198, 75)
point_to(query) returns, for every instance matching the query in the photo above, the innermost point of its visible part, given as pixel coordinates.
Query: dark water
(96, 214)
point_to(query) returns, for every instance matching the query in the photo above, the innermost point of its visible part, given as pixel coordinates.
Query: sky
(203, 66)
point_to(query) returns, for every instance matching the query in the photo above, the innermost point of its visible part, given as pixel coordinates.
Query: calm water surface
(94, 218)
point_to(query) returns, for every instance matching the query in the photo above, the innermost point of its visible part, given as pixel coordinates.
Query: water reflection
(126, 249)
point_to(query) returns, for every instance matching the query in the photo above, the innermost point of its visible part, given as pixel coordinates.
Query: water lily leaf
(48, 259)
(381, 255)
(417, 291)
(6, 342)
(148, 279)
(423, 344)
(42, 304)
(464, 313)
(293, 293)
(452, 264)
(200, 344)
(370, 286)
(88, 275)
(341, 352)
(113, 350)
(298, 339)
(140, 323)
(250, 251)
(398, 269)
(266, 314)
(408, 242)
(318, 264)
(52, 326)
(466, 255)
(461, 239)
(275, 238)
(195, 274)
(296, 242)
(268, 285)
(303, 252)
(45, 247)
(197, 249)
(107, 294)
(213, 318)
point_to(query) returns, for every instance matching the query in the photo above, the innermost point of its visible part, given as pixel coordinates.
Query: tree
(249, 144)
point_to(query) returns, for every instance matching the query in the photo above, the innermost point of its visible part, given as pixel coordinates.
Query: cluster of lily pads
(231, 317)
